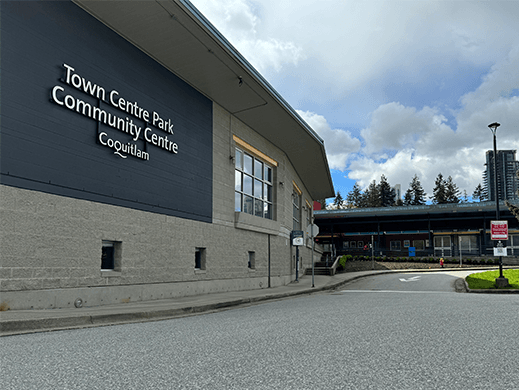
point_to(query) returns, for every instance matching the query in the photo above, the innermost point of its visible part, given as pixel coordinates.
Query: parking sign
(499, 230)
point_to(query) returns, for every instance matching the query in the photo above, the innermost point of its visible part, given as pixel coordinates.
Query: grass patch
(485, 280)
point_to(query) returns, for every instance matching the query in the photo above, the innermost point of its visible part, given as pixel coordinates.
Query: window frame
(251, 264)
(420, 246)
(393, 245)
(253, 190)
(114, 250)
(297, 199)
(200, 259)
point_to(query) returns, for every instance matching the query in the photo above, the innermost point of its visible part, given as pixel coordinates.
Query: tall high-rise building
(398, 191)
(507, 181)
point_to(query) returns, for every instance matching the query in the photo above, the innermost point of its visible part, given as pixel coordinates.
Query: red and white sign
(499, 230)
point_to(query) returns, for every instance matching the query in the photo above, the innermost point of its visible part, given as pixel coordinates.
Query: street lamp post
(501, 281)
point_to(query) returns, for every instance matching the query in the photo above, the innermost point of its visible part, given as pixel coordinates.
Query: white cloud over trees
(352, 71)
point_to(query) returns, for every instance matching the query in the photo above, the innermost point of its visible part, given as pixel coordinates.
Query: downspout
(268, 235)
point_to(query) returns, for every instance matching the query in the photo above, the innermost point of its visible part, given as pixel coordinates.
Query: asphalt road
(412, 281)
(382, 337)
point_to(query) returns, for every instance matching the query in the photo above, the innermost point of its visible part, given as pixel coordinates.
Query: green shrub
(342, 262)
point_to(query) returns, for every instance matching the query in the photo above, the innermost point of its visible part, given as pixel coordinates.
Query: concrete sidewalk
(29, 321)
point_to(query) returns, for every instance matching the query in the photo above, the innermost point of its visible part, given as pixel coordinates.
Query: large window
(395, 245)
(252, 185)
(442, 246)
(469, 244)
(296, 206)
(419, 245)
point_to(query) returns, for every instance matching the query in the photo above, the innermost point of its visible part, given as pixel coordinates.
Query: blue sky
(393, 87)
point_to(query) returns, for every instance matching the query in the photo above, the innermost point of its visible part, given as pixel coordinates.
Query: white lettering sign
(125, 124)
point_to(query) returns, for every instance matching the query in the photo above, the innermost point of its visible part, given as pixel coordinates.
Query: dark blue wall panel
(47, 147)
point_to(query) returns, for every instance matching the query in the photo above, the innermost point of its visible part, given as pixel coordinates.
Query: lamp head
(493, 127)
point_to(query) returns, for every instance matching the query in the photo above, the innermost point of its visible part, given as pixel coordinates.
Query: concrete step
(319, 271)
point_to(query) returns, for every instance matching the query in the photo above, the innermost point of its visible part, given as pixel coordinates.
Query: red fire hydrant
(441, 262)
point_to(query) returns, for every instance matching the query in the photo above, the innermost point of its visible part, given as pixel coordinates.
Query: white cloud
(425, 145)
(339, 144)
(238, 22)
(394, 127)
(494, 100)
(345, 60)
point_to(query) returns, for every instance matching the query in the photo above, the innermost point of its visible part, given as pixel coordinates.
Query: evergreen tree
(408, 197)
(372, 195)
(439, 191)
(338, 202)
(364, 202)
(386, 193)
(417, 192)
(354, 197)
(452, 191)
(465, 198)
(399, 202)
(513, 209)
(479, 193)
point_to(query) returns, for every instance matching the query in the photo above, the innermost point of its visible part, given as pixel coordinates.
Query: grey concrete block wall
(51, 245)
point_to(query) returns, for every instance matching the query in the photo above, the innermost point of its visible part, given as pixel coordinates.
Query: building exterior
(142, 157)
(507, 180)
(430, 230)
(398, 192)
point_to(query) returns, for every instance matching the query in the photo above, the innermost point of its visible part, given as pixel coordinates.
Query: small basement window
(200, 258)
(111, 255)
(252, 260)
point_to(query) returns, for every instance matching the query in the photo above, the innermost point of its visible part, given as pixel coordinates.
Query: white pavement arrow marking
(413, 279)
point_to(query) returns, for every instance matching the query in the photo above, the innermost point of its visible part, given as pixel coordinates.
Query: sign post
(313, 230)
(372, 253)
(498, 232)
(297, 241)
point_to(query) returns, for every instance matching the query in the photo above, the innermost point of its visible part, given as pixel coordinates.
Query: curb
(493, 291)
(15, 327)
